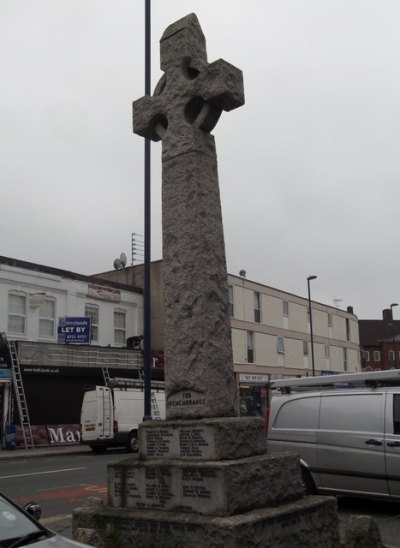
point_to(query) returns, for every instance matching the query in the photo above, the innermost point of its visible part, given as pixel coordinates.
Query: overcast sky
(309, 168)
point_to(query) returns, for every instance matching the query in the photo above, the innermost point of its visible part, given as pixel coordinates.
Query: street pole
(311, 326)
(147, 233)
(393, 335)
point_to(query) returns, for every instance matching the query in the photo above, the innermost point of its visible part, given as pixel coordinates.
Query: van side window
(352, 412)
(298, 413)
(396, 413)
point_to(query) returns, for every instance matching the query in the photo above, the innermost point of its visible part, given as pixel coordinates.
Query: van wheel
(307, 482)
(132, 446)
(98, 449)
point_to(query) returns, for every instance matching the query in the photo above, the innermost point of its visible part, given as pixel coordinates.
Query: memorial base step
(310, 522)
(206, 487)
(203, 439)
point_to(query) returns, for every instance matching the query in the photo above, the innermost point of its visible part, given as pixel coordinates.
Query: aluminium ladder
(106, 375)
(155, 412)
(20, 396)
(154, 407)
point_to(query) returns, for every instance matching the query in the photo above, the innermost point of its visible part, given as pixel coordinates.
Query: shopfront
(253, 392)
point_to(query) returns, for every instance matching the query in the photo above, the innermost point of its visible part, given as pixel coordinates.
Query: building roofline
(26, 265)
(333, 308)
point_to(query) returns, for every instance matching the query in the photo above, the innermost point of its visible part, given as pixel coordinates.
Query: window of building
(17, 313)
(231, 301)
(377, 356)
(330, 322)
(257, 307)
(250, 347)
(280, 345)
(119, 327)
(366, 355)
(285, 308)
(391, 355)
(345, 359)
(305, 348)
(47, 315)
(92, 311)
(327, 351)
(347, 329)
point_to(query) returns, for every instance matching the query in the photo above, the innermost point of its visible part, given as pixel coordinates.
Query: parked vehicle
(18, 528)
(345, 429)
(110, 416)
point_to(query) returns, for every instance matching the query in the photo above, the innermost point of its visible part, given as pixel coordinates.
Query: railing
(78, 356)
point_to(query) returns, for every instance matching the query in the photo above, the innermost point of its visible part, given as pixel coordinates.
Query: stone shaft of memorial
(185, 107)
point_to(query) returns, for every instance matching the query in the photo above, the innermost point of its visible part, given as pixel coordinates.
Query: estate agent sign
(74, 330)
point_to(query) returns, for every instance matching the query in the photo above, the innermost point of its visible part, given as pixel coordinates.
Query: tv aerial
(121, 262)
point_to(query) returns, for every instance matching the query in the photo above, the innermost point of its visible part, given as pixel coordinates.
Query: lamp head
(311, 278)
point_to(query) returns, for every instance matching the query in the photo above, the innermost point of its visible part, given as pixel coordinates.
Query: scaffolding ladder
(155, 412)
(154, 407)
(106, 376)
(20, 396)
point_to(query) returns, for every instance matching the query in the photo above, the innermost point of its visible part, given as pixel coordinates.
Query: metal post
(147, 234)
(311, 327)
(393, 334)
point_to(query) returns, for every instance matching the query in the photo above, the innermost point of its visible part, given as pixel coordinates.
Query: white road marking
(41, 473)
(59, 517)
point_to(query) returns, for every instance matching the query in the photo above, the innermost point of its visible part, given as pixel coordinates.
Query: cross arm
(148, 119)
(224, 87)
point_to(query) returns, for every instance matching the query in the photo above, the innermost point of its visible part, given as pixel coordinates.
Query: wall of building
(70, 297)
(330, 327)
(135, 276)
(285, 316)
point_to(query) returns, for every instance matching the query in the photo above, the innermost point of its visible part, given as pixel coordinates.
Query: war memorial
(202, 477)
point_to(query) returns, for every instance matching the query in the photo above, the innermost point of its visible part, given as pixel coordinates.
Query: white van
(345, 429)
(110, 416)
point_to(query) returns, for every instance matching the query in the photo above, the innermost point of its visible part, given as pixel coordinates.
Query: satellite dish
(242, 273)
(123, 260)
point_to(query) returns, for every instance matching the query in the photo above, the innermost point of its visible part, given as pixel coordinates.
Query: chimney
(350, 310)
(387, 315)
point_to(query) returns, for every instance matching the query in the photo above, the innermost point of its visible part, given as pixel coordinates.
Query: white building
(47, 311)
(35, 298)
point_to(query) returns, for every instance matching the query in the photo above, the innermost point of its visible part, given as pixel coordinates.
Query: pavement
(11, 454)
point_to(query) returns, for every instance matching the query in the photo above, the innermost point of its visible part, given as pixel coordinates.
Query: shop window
(119, 327)
(17, 313)
(92, 311)
(47, 315)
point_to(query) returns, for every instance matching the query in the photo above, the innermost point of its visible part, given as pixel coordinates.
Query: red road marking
(69, 493)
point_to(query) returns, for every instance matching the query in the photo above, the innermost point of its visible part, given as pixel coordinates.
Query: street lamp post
(311, 327)
(393, 334)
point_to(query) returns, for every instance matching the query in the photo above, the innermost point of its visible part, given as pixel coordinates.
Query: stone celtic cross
(185, 107)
